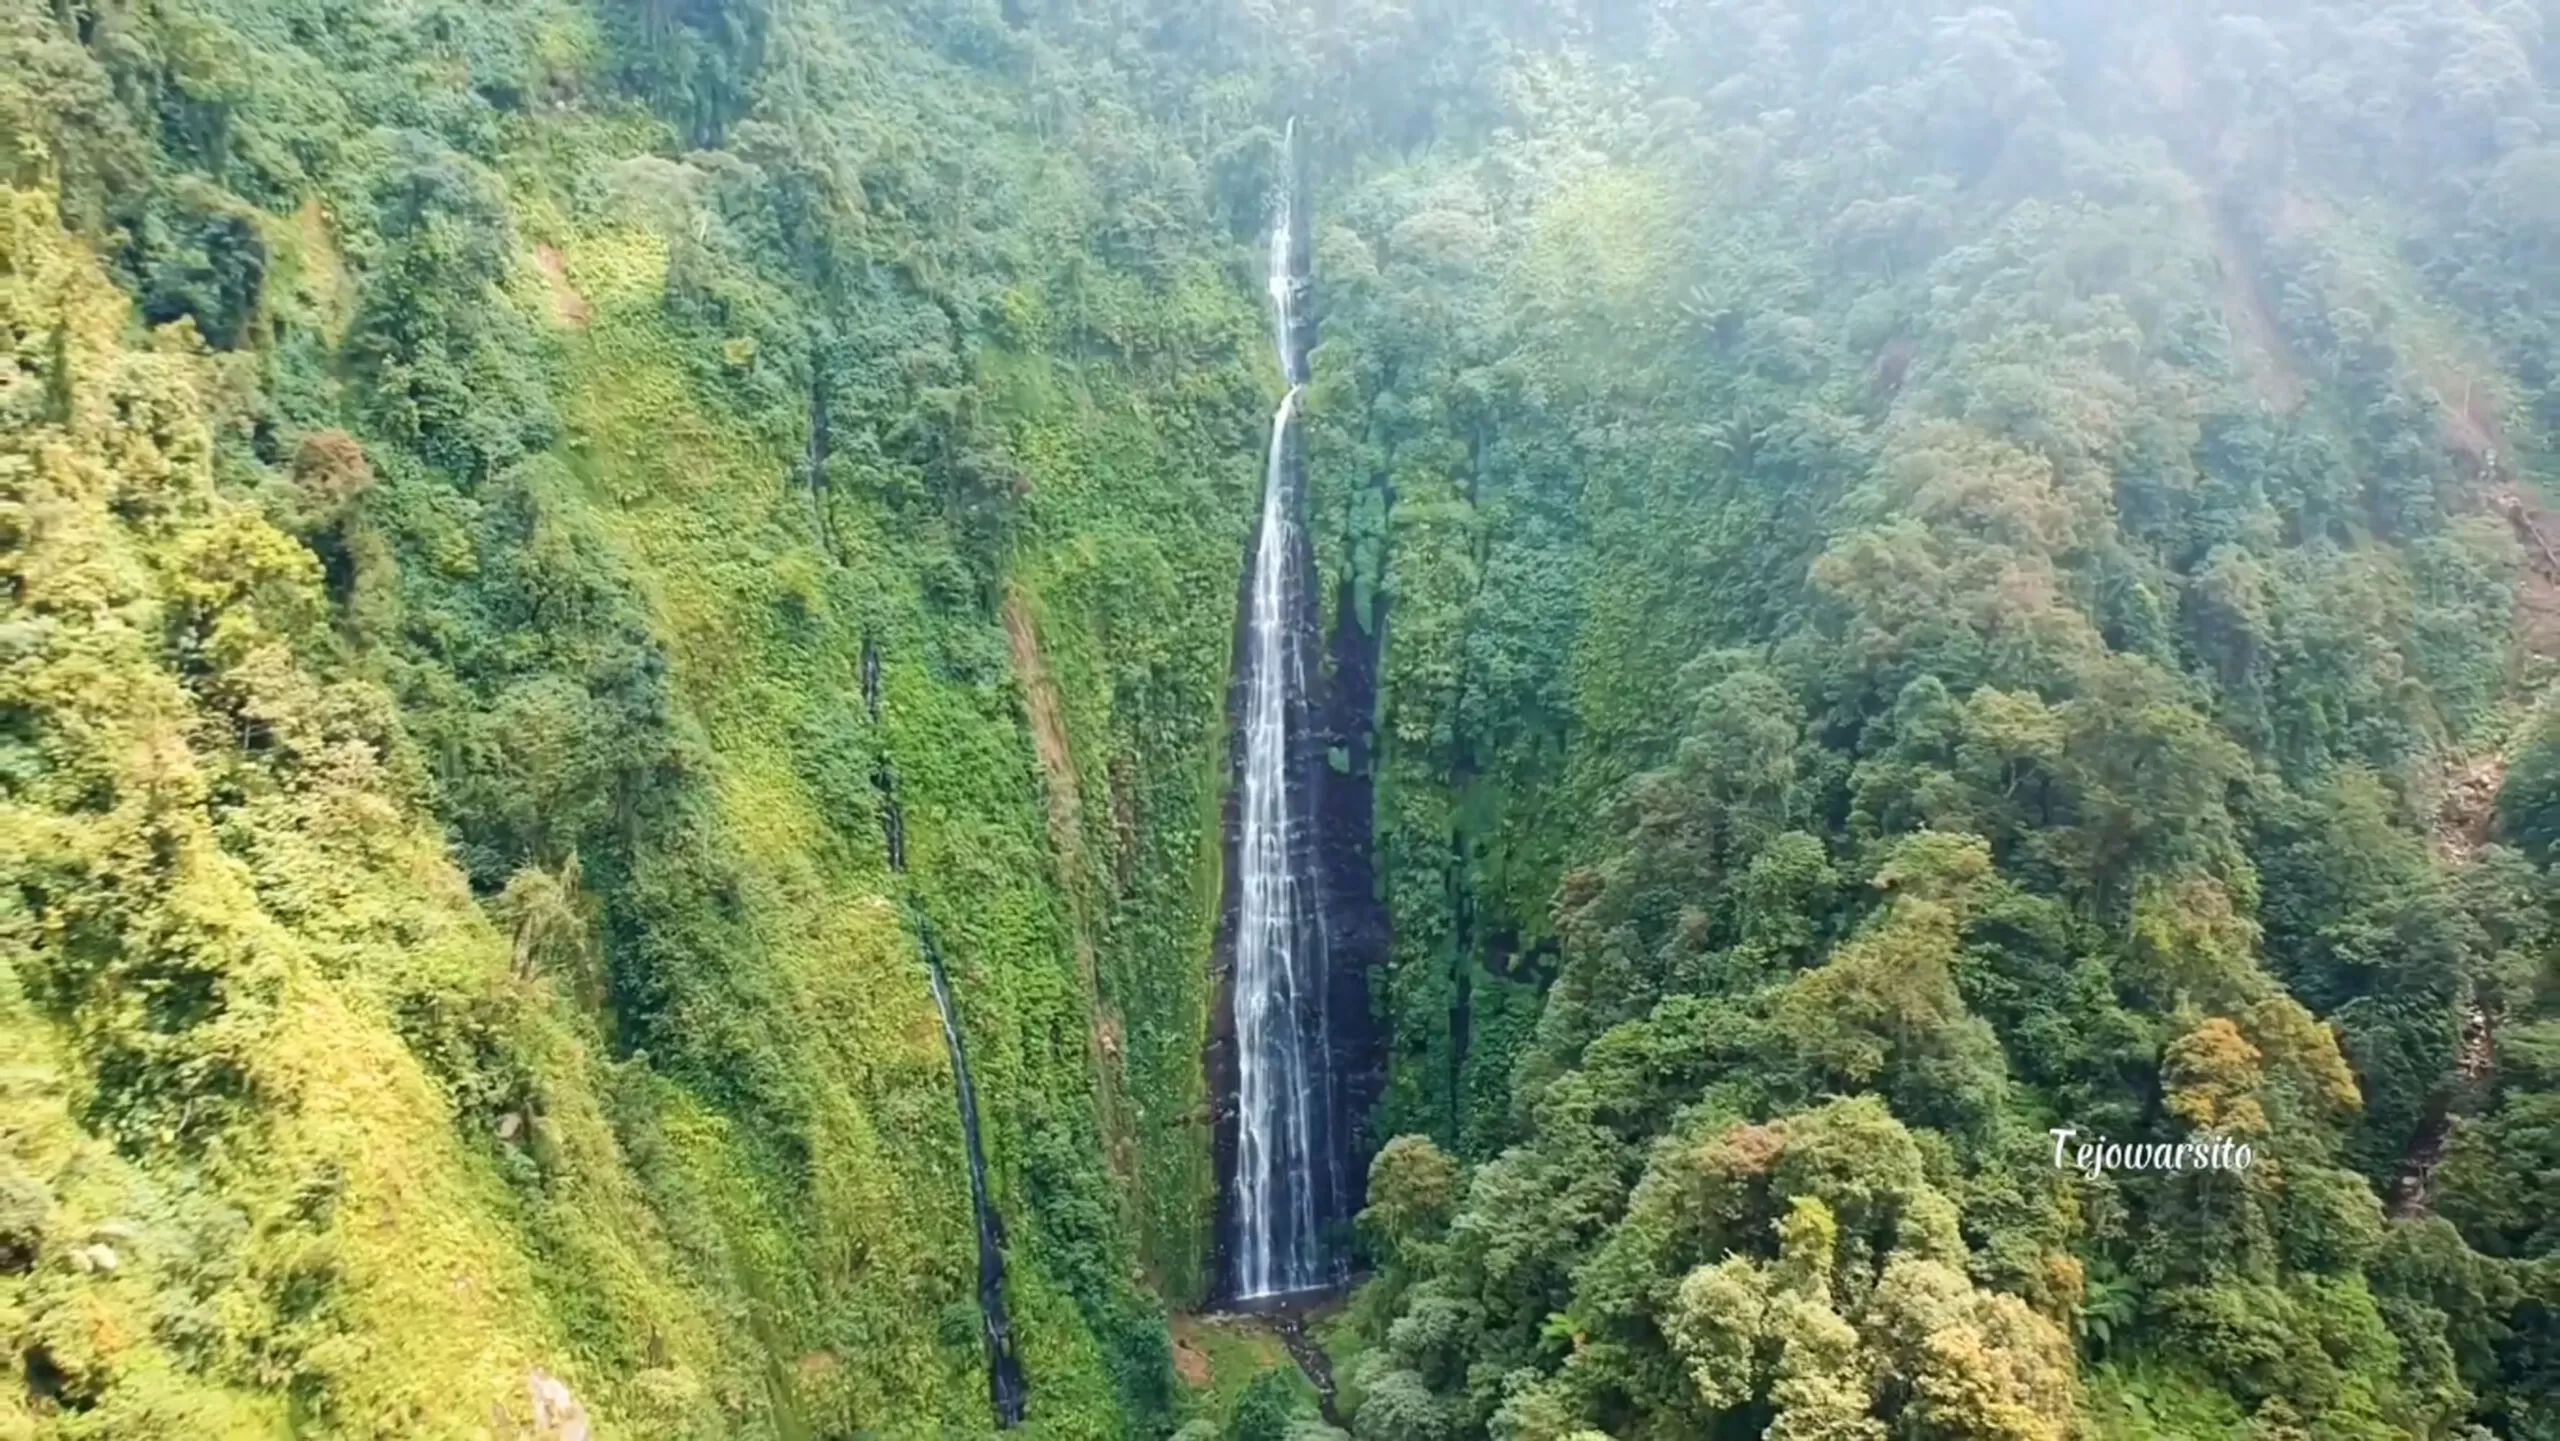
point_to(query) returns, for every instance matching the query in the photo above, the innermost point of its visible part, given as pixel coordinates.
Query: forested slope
(1934, 572)
(1952, 575)
(626, 438)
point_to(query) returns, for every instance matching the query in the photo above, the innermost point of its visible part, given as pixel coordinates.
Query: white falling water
(1283, 1087)
(1283, 285)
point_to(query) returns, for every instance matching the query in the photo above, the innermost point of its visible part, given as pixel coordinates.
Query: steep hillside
(652, 478)
(1952, 557)
(605, 599)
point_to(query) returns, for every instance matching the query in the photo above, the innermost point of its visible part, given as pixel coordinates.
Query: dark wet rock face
(1292, 1056)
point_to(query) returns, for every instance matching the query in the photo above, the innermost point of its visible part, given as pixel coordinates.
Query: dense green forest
(1936, 573)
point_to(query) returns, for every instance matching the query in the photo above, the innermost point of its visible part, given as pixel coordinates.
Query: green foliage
(2529, 798)
(1933, 572)
(239, 1189)
(1413, 1193)
(610, 449)
(2046, 469)
(1266, 1409)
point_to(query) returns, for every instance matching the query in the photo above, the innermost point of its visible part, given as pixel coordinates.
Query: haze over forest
(1223, 720)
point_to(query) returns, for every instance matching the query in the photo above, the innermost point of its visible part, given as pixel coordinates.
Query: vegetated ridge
(1894, 576)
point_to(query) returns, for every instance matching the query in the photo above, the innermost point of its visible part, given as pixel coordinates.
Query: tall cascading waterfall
(1285, 1182)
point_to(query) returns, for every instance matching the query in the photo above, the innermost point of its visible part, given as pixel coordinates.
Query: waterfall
(1287, 1168)
(1004, 1372)
(1006, 1391)
(1282, 282)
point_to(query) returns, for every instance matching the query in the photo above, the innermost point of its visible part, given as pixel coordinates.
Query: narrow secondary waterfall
(1286, 1178)
(1004, 1371)
(1005, 1388)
